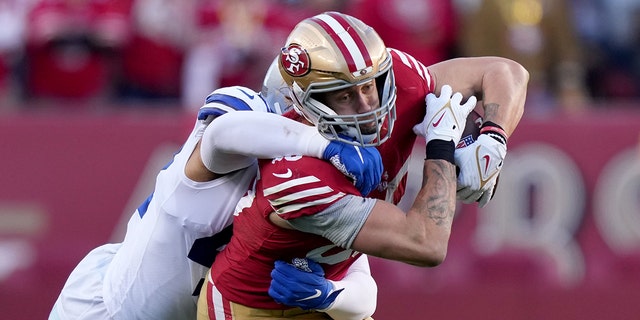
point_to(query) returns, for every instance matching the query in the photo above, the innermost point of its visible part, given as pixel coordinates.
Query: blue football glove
(302, 284)
(362, 165)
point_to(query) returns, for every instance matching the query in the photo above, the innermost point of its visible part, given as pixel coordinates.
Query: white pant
(81, 297)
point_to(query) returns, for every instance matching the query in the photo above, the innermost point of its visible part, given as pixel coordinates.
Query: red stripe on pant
(226, 305)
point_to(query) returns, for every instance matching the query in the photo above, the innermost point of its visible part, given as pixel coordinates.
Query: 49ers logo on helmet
(295, 60)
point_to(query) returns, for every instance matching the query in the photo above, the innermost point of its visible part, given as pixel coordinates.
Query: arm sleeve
(340, 223)
(360, 296)
(234, 140)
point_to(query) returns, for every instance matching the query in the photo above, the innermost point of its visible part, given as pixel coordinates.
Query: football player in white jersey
(157, 270)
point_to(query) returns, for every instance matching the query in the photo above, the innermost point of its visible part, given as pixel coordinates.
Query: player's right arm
(234, 140)
(379, 228)
(421, 236)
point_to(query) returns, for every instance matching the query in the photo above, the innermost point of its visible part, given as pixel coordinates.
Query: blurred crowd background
(97, 54)
(81, 149)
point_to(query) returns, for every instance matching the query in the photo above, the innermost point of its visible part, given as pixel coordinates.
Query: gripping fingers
(456, 99)
(464, 194)
(277, 291)
(445, 91)
(469, 105)
(486, 196)
(468, 195)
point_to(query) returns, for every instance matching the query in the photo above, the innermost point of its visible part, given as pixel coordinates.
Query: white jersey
(157, 271)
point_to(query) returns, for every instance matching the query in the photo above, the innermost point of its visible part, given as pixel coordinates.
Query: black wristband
(441, 150)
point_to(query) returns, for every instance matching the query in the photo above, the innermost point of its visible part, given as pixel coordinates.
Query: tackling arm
(359, 297)
(352, 298)
(233, 141)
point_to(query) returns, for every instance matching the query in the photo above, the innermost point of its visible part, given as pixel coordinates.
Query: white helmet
(334, 51)
(275, 91)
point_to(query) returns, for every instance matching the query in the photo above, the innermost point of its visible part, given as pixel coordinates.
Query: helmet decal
(347, 40)
(295, 60)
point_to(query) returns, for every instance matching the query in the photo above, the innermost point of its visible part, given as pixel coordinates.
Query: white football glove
(446, 116)
(480, 164)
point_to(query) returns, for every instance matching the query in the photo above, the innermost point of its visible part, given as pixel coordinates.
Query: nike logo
(437, 123)
(359, 154)
(247, 94)
(285, 175)
(486, 163)
(486, 159)
(317, 294)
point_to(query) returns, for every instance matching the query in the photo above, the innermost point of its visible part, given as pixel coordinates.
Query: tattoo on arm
(491, 111)
(441, 199)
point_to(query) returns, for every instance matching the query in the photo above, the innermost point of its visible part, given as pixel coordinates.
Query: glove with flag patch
(480, 164)
(362, 165)
(302, 284)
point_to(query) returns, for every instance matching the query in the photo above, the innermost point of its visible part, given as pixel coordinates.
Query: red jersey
(293, 187)
(301, 186)
(413, 83)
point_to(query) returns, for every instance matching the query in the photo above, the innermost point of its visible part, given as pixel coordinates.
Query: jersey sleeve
(301, 186)
(236, 139)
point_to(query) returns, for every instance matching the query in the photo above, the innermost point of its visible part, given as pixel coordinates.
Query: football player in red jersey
(342, 79)
(156, 271)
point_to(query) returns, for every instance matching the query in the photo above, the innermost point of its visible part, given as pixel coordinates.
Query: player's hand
(480, 164)
(302, 284)
(362, 165)
(446, 116)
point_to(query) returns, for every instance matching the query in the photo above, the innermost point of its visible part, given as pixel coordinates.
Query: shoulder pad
(229, 99)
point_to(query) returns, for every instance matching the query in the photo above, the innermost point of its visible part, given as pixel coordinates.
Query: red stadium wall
(561, 240)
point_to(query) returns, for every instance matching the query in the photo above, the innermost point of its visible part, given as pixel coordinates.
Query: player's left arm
(334, 213)
(501, 85)
(359, 297)
(352, 298)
